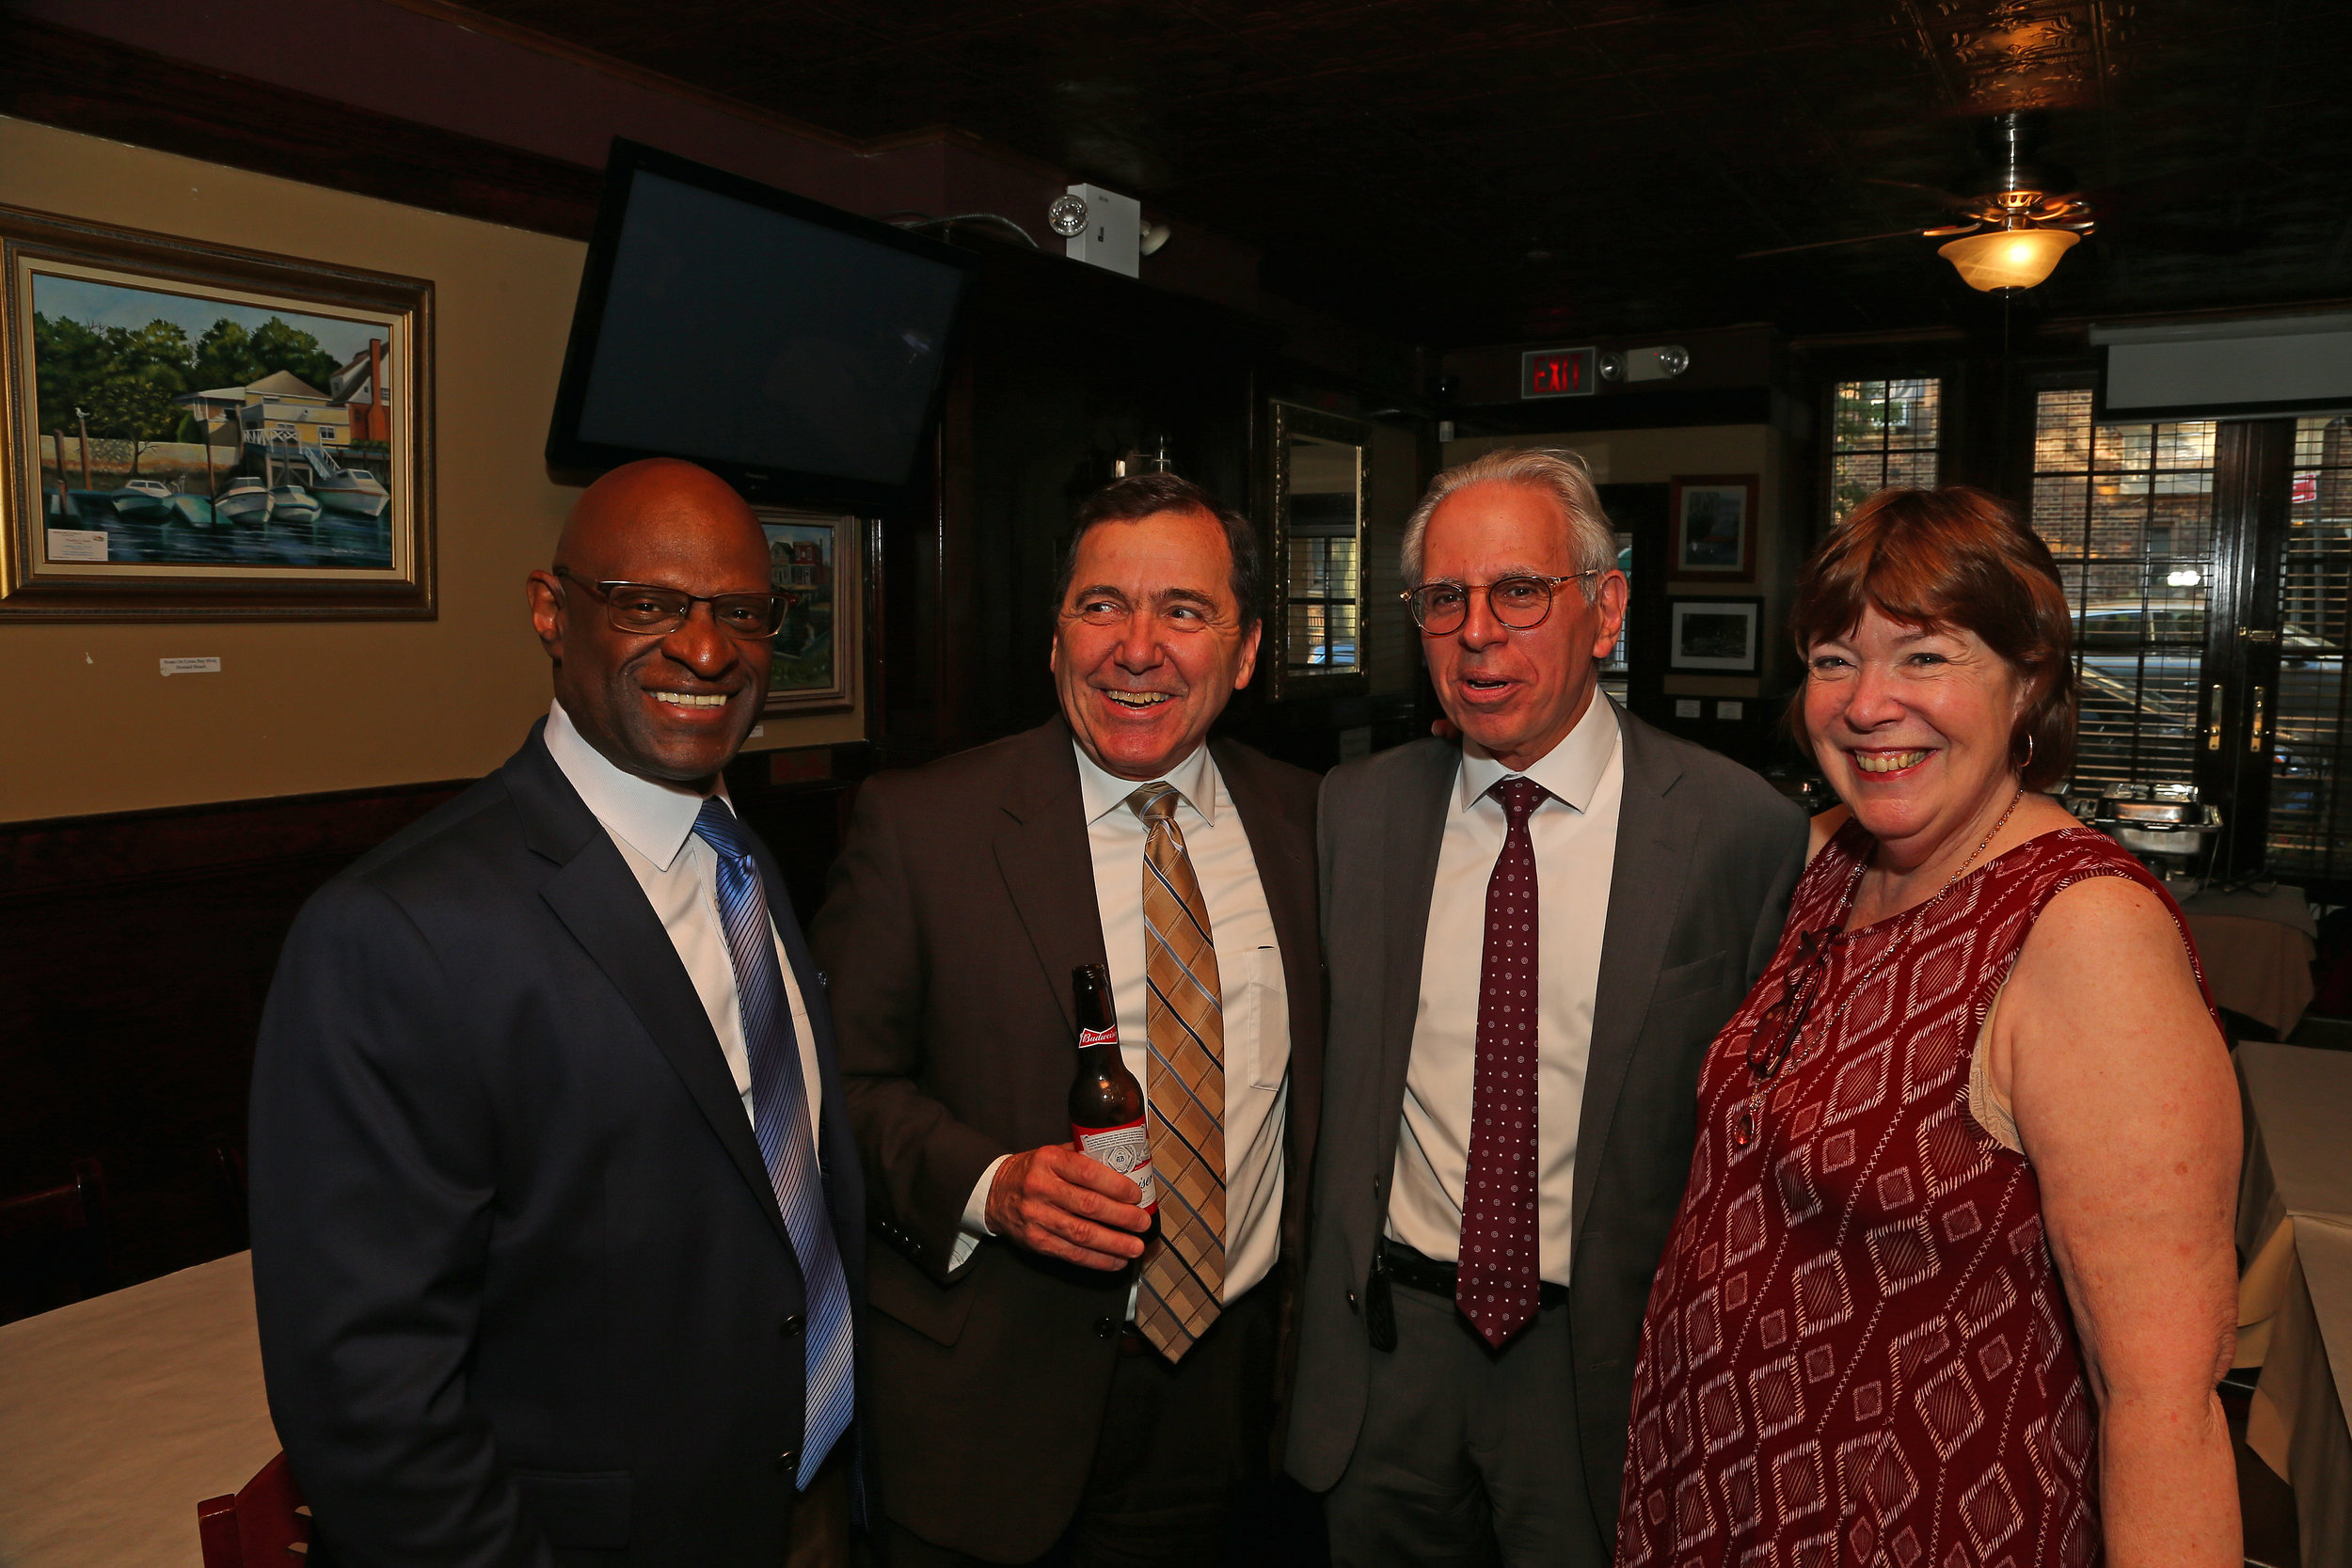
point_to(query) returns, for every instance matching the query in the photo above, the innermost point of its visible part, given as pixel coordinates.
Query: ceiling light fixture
(2008, 258)
(2015, 237)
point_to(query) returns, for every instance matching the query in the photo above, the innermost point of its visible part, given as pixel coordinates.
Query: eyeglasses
(1777, 1031)
(645, 610)
(1518, 603)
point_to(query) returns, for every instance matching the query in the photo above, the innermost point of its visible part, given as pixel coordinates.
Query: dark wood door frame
(2238, 703)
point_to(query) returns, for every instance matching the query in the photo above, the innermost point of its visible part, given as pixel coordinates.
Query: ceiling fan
(2014, 232)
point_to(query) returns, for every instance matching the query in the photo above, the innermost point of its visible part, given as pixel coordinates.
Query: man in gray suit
(1532, 938)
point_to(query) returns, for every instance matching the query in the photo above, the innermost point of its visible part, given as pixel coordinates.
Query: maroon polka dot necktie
(1500, 1278)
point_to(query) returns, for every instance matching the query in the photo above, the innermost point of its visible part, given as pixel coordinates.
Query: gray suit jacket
(1707, 854)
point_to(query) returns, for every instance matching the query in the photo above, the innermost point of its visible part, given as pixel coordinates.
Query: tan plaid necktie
(1183, 1272)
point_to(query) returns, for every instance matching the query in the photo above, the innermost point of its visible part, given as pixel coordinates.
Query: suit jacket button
(792, 1324)
(1104, 1328)
(788, 1461)
(1351, 1301)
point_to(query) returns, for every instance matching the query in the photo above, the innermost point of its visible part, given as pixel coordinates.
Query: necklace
(1745, 1130)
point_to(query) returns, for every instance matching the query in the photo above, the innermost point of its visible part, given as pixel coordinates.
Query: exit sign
(1556, 372)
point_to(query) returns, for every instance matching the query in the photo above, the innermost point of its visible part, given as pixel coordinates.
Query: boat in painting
(352, 491)
(192, 509)
(144, 500)
(292, 504)
(94, 504)
(246, 501)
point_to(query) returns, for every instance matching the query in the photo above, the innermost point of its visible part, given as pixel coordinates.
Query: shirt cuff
(974, 1228)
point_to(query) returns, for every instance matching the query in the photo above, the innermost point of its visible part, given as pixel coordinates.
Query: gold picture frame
(195, 431)
(816, 559)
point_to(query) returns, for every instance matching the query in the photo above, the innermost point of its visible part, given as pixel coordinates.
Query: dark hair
(1946, 558)
(1141, 496)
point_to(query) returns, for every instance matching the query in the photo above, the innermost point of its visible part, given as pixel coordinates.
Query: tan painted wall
(87, 722)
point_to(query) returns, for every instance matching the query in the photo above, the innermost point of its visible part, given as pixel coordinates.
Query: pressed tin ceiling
(1464, 172)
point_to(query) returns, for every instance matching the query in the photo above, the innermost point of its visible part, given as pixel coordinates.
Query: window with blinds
(1882, 433)
(2127, 511)
(1322, 596)
(2311, 810)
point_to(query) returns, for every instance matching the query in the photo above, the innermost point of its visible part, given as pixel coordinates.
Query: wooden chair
(264, 1525)
(53, 1243)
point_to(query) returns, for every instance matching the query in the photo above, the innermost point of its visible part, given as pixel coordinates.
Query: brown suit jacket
(961, 903)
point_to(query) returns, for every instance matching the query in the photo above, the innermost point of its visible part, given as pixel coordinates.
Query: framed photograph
(1713, 519)
(815, 561)
(1716, 636)
(194, 432)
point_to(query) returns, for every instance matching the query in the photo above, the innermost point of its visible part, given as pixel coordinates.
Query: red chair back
(264, 1525)
(53, 1245)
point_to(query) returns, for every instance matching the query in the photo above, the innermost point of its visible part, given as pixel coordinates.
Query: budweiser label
(1098, 1037)
(1127, 1150)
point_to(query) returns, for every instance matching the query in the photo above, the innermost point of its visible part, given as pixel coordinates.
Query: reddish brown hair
(1954, 559)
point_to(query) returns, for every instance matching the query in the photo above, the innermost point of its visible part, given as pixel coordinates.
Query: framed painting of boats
(195, 431)
(814, 561)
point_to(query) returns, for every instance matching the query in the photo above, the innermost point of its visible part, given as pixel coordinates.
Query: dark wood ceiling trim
(966, 141)
(686, 91)
(620, 70)
(80, 81)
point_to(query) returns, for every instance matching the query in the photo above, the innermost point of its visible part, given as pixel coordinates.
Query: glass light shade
(2008, 258)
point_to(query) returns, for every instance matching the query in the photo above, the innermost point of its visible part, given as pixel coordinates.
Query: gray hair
(1559, 474)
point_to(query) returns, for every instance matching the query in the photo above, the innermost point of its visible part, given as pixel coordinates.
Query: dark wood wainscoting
(135, 951)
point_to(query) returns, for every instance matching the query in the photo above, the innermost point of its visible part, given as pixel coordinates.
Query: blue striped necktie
(780, 1121)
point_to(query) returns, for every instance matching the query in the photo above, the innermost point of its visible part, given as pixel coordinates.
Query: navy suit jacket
(525, 1294)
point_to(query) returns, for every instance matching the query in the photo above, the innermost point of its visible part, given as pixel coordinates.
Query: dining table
(2257, 946)
(2295, 1287)
(120, 1413)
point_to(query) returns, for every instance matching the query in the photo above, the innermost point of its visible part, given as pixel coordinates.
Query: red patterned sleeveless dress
(1857, 1349)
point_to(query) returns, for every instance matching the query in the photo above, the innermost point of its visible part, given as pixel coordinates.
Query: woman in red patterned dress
(1951, 1283)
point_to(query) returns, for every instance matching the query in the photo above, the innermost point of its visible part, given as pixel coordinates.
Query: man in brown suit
(1048, 1373)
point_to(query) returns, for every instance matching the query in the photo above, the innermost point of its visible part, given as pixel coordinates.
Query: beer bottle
(1106, 1119)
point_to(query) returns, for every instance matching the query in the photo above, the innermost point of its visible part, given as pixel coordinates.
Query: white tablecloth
(2258, 967)
(2295, 1298)
(119, 1415)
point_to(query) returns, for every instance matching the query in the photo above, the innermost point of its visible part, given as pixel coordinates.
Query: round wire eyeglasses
(1518, 603)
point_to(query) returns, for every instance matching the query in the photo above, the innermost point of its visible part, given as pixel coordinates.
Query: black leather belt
(1422, 1273)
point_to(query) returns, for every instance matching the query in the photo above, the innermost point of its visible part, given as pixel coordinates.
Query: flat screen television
(791, 347)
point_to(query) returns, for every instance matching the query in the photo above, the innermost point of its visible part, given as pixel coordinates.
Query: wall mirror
(1314, 632)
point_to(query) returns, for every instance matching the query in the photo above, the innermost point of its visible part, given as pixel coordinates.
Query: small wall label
(78, 543)
(207, 666)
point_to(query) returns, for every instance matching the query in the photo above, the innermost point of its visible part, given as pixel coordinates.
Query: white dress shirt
(1250, 974)
(1574, 834)
(653, 826)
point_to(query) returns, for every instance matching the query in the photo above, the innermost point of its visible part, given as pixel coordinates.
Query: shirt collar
(651, 818)
(1571, 771)
(1104, 792)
